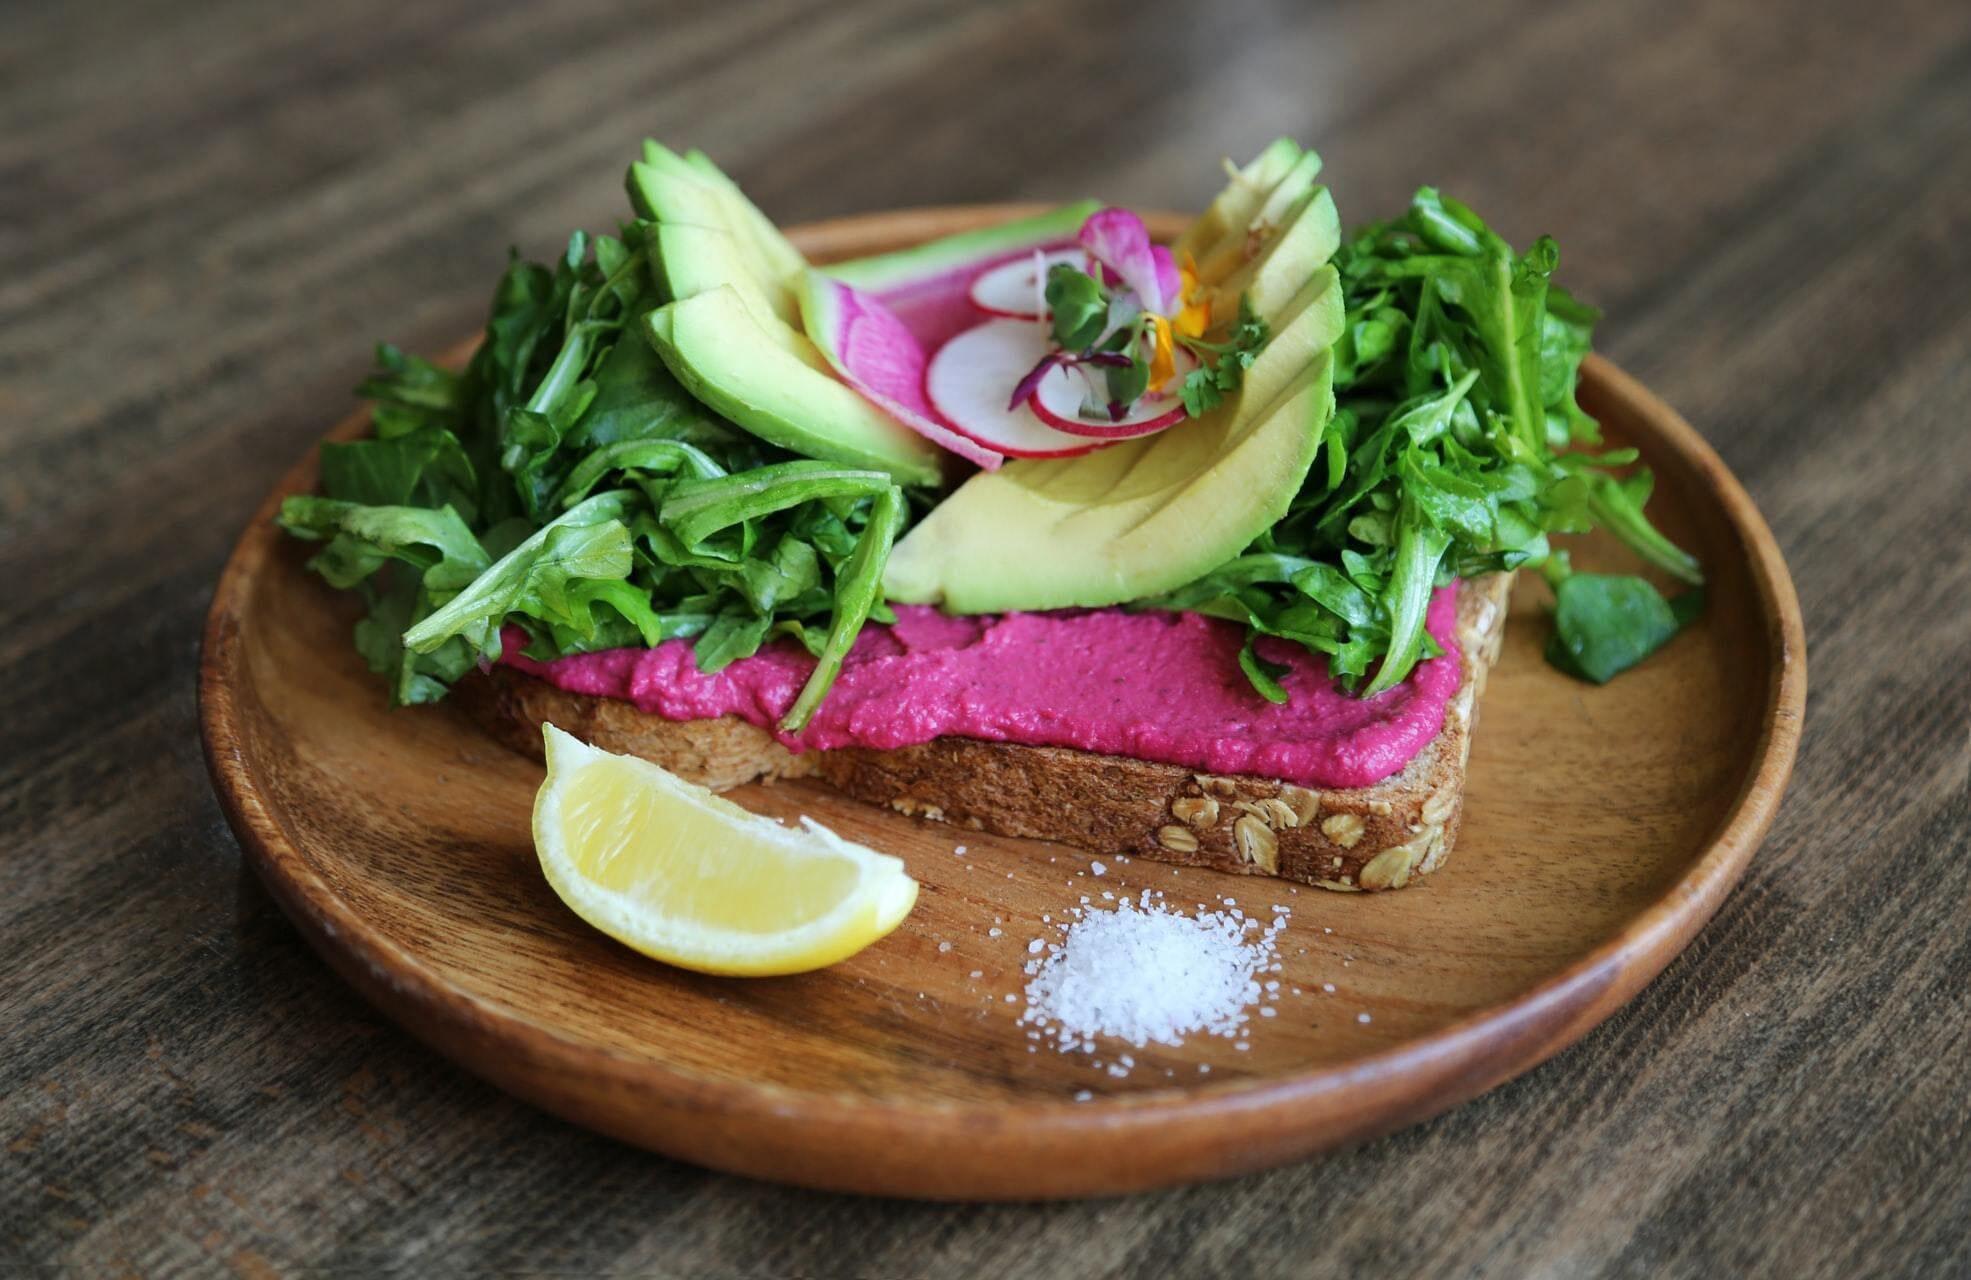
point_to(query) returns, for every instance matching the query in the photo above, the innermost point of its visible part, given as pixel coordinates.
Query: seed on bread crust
(1278, 814)
(1390, 869)
(1177, 839)
(1199, 812)
(1256, 842)
(1344, 829)
(1306, 805)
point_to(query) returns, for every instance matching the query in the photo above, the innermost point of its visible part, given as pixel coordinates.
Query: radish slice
(1015, 289)
(874, 353)
(1058, 403)
(971, 377)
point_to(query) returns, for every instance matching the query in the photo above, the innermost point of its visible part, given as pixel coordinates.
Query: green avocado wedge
(784, 393)
(1236, 205)
(1309, 236)
(1145, 516)
(1274, 210)
(677, 192)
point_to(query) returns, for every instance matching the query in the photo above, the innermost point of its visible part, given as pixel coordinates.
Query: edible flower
(1118, 240)
(1137, 316)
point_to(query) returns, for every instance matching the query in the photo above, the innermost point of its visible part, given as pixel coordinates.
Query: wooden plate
(1603, 827)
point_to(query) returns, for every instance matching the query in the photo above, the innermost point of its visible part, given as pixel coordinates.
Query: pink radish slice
(1059, 398)
(1015, 290)
(971, 377)
(1058, 404)
(875, 354)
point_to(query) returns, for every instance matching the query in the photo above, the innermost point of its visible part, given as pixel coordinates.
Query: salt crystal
(994, 933)
(960, 850)
(1142, 973)
(1033, 948)
(1011, 998)
(1328, 987)
(977, 973)
(943, 947)
(1269, 1012)
(1099, 868)
(1083, 1096)
(1361, 1017)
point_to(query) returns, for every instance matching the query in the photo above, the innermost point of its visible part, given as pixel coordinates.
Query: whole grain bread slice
(1362, 838)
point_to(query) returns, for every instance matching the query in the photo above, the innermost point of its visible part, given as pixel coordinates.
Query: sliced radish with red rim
(971, 377)
(1016, 290)
(1064, 393)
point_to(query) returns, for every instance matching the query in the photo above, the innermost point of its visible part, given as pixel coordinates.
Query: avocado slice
(1145, 516)
(786, 261)
(1309, 237)
(727, 356)
(690, 260)
(674, 191)
(1278, 208)
(1236, 204)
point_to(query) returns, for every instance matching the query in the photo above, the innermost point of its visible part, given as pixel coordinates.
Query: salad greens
(1454, 389)
(565, 482)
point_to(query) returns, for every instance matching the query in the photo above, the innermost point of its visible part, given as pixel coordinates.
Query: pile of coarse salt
(1144, 973)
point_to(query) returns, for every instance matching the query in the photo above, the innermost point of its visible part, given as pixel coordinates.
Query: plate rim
(1043, 1148)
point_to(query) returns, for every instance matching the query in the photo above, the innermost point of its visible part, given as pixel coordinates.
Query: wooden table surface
(207, 212)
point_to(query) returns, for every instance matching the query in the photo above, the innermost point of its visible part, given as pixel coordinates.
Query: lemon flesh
(671, 870)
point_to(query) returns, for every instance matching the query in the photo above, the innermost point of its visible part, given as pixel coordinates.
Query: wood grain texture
(207, 211)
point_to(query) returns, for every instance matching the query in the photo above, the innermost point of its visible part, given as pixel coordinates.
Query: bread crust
(1353, 839)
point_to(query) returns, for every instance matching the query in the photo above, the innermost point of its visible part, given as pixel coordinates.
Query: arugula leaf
(857, 587)
(587, 541)
(1604, 623)
(1264, 675)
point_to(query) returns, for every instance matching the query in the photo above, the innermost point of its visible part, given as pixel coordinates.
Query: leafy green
(1080, 307)
(1604, 623)
(1222, 365)
(566, 483)
(1451, 453)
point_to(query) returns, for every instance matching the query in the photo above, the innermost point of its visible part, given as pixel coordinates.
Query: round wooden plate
(1603, 827)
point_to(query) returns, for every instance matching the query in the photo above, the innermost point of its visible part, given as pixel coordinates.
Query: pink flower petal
(1169, 281)
(1118, 240)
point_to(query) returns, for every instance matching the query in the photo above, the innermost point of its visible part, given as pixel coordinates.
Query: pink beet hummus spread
(1153, 686)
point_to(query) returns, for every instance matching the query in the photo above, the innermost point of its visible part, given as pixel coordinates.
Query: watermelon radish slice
(928, 287)
(1016, 290)
(875, 354)
(1058, 400)
(970, 378)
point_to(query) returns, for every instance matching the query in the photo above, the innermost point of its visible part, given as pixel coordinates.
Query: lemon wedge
(683, 876)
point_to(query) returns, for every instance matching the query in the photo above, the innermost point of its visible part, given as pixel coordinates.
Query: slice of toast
(1360, 838)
